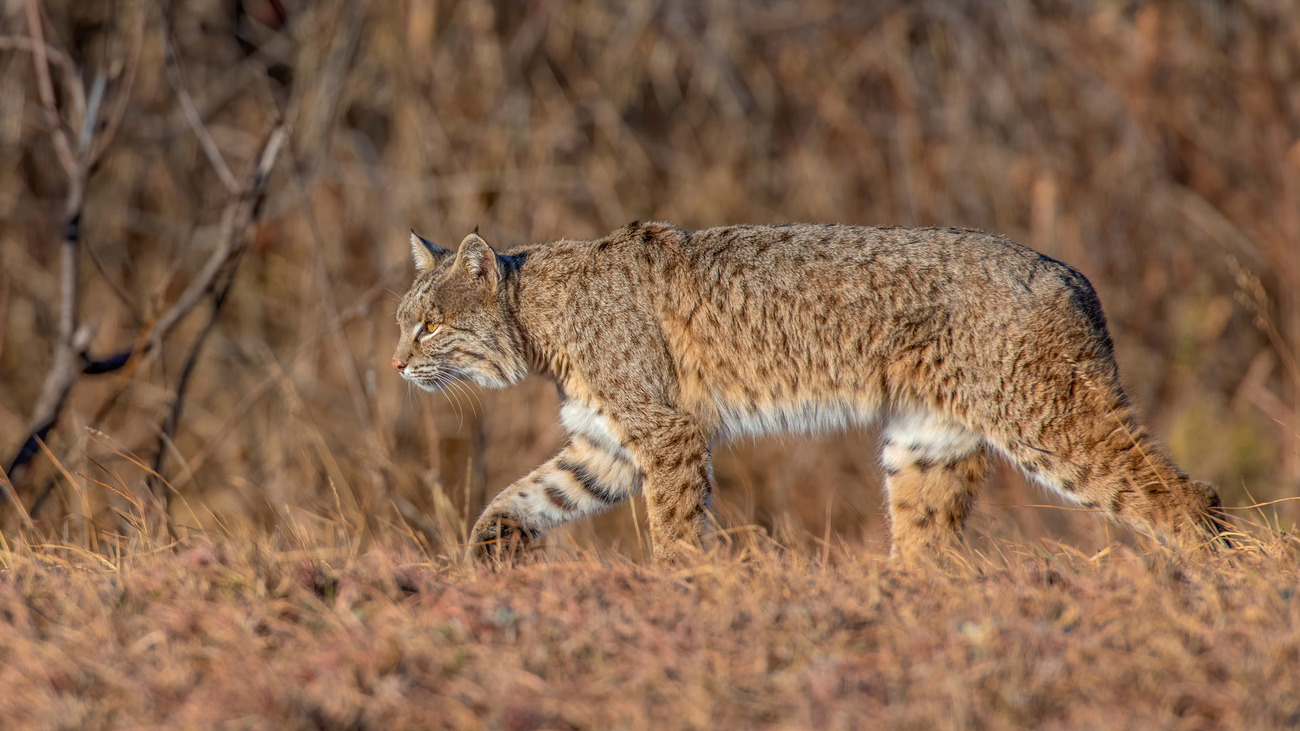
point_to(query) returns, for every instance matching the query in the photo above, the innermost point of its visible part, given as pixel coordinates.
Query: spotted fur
(664, 341)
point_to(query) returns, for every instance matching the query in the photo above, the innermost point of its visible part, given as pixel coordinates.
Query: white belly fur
(792, 418)
(581, 419)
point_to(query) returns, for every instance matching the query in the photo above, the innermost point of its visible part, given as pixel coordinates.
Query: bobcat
(663, 341)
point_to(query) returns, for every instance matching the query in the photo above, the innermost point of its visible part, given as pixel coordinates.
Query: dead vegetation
(236, 508)
(254, 635)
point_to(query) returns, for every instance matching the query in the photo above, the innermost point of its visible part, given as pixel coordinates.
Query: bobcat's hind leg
(584, 478)
(1122, 471)
(1128, 475)
(933, 472)
(1080, 436)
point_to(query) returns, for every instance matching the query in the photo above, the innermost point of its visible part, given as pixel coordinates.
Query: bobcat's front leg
(678, 481)
(582, 479)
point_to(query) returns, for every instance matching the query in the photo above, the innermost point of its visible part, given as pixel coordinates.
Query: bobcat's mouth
(437, 379)
(429, 379)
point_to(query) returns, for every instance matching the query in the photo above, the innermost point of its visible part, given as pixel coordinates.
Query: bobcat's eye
(431, 328)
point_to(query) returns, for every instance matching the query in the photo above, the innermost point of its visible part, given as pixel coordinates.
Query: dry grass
(238, 634)
(258, 577)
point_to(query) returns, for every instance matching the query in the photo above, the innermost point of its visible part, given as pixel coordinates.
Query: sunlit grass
(254, 632)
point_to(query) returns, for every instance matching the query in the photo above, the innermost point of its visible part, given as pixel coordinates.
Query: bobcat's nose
(399, 365)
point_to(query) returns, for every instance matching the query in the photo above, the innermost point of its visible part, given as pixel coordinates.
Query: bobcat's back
(803, 327)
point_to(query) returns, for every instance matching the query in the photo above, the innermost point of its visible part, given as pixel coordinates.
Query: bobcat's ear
(478, 259)
(427, 254)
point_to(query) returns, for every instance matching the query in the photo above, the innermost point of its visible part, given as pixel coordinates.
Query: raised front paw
(499, 539)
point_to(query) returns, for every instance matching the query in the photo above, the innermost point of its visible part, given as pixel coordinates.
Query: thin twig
(192, 113)
(46, 88)
(114, 119)
(178, 401)
(227, 249)
(87, 134)
(53, 55)
(247, 208)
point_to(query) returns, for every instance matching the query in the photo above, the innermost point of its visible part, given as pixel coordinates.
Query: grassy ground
(245, 635)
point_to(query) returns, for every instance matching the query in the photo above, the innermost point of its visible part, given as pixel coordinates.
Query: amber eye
(431, 328)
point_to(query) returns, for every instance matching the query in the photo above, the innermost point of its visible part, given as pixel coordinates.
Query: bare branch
(92, 112)
(168, 431)
(235, 218)
(192, 113)
(71, 362)
(8, 493)
(228, 247)
(46, 88)
(73, 339)
(114, 120)
(62, 375)
(239, 218)
(70, 354)
(53, 55)
(68, 270)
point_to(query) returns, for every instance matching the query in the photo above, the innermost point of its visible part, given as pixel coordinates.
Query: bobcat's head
(454, 324)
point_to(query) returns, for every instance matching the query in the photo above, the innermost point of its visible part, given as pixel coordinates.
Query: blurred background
(243, 324)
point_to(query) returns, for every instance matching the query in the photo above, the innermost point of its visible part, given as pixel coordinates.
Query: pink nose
(399, 365)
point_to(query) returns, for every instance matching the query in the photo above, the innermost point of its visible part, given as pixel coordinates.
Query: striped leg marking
(583, 479)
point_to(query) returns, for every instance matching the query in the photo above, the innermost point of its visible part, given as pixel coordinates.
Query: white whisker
(470, 396)
(442, 381)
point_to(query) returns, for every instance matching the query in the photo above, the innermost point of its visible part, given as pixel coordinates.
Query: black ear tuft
(476, 229)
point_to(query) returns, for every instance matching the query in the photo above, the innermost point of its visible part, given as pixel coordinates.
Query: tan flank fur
(663, 342)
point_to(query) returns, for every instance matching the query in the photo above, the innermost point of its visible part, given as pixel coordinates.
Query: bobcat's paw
(499, 540)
